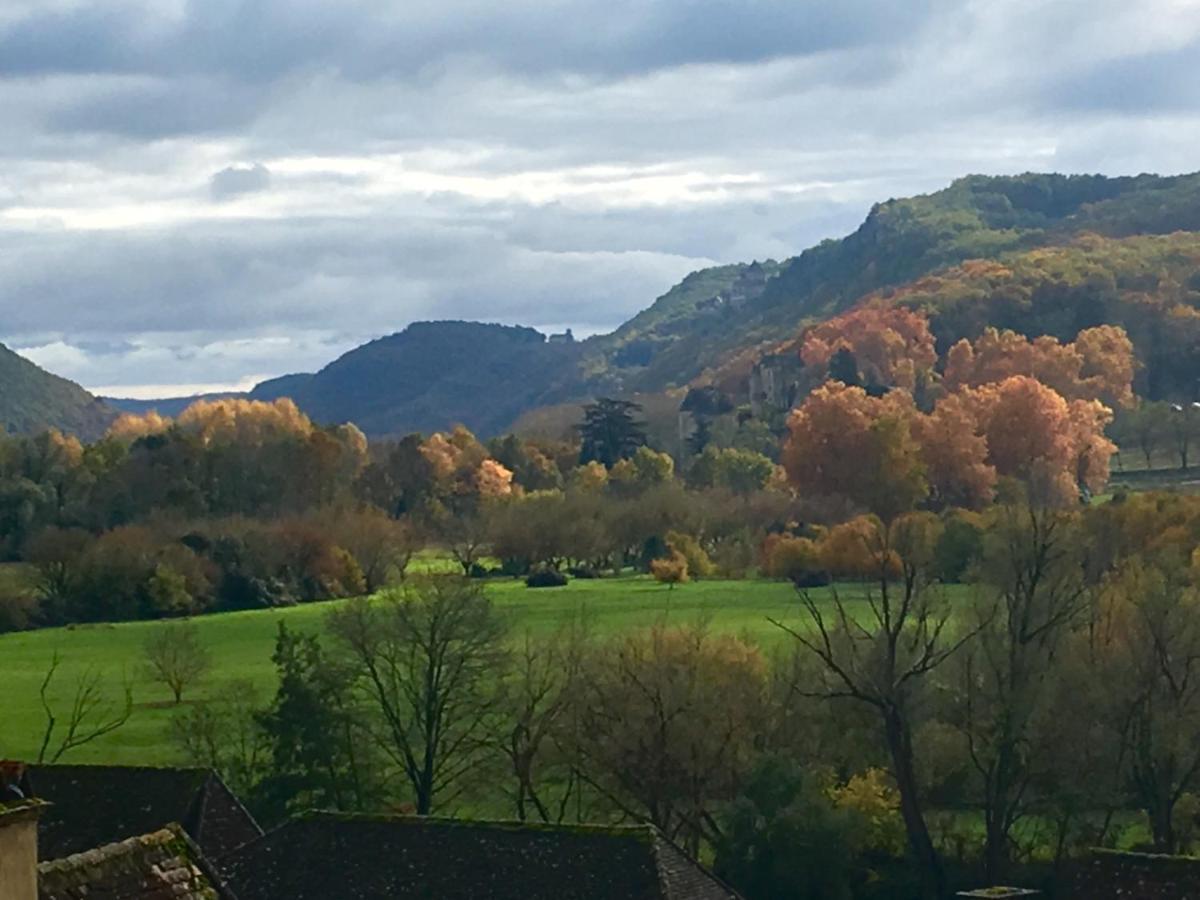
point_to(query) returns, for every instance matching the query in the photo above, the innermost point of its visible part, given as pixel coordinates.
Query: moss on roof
(163, 865)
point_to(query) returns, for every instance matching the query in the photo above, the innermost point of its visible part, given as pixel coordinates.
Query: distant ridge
(718, 322)
(32, 399)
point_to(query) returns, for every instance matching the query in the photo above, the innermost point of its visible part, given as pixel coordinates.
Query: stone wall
(1108, 875)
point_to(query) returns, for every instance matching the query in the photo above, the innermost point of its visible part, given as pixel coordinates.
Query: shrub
(699, 565)
(17, 612)
(546, 578)
(797, 559)
(670, 571)
(583, 572)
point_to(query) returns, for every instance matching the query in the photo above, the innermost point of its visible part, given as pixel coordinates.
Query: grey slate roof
(325, 856)
(1110, 875)
(97, 805)
(164, 865)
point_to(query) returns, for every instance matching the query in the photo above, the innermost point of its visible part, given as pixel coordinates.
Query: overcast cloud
(199, 193)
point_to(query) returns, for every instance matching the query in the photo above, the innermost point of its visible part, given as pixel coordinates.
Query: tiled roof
(164, 865)
(323, 856)
(1108, 875)
(95, 805)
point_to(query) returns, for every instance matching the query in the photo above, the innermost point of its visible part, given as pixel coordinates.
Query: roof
(21, 810)
(325, 855)
(1109, 875)
(164, 865)
(96, 805)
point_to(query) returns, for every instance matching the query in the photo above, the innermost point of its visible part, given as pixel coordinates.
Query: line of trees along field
(907, 736)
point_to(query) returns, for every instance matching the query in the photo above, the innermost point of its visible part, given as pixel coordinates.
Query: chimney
(18, 836)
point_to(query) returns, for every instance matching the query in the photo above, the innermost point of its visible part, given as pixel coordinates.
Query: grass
(241, 645)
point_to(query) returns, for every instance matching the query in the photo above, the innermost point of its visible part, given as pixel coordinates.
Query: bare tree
(881, 652)
(224, 734)
(537, 705)
(426, 660)
(1147, 646)
(91, 715)
(174, 656)
(1033, 562)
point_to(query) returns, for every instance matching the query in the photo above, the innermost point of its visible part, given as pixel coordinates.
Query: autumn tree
(842, 442)
(1035, 436)
(668, 721)
(670, 570)
(889, 346)
(1099, 365)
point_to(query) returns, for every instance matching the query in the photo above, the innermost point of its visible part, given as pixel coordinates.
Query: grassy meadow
(241, 644)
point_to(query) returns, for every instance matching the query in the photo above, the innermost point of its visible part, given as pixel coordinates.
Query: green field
(241, 646)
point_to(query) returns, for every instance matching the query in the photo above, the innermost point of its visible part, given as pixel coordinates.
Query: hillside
(1069, 252)
(977, 217)
(434, 374)
(32, 399)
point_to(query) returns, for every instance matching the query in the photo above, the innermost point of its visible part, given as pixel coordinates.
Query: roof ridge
(320, 815)
(166, 834)
(132, 768)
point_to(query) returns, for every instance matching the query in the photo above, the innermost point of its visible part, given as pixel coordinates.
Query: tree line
(904, 735)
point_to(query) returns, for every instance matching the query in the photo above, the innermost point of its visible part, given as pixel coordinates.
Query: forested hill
(32, 399)
(1078, 250)
(434, 374)
(977, 217)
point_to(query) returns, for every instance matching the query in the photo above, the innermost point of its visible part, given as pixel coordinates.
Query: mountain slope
(435, 374)
(977, 217)
(32, 399)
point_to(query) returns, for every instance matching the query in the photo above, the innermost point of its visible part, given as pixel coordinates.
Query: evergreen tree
(610, 431)
(315, 761)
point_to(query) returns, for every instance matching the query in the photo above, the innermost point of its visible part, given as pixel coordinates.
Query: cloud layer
(199, 192)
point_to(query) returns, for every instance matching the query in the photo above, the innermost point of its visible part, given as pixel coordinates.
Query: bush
(698, 563)
(796, 559)
(17, 612)
(583, 572)
(546, 578)
(670, 571)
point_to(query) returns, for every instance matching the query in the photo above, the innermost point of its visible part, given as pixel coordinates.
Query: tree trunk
(933, 877)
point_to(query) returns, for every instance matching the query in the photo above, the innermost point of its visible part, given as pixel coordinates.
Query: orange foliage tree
(1033, 434)
(844, 443)
(891, 345)
(1099, 365)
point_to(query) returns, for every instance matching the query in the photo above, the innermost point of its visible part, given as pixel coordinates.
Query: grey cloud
(1141, 84)
(255, 40)
(234, 181)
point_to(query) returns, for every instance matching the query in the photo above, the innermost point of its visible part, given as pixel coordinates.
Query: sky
(198, 194)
